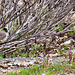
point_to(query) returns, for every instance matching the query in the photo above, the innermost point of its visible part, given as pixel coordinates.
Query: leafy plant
(60, 28)
(72, 32)
(71, 59)
(1, 56)
(46, 64)
(36, 47)
(59, 68)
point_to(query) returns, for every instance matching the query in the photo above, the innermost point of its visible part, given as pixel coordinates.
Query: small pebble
(4, 71)
(43, 73)
(15, 63)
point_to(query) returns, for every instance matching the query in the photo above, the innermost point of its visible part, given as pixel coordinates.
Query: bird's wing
(2, 35)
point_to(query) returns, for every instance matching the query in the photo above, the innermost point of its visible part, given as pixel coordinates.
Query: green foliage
(33, 55)
(13, 53)
(1, 56)
(36, 47)
(16, 25)
(46, 26)
(60, 28)
(72, 32)
(68, 45)
(19, 34)
(24, 54)
(39, 70)
(10, 31)
(11, 73)
(4, 16)
(60, 51)
(38, 21)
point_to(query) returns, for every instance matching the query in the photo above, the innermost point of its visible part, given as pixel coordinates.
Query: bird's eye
(73, 37)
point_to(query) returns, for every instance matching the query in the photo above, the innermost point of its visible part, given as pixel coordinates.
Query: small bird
(4, 35)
